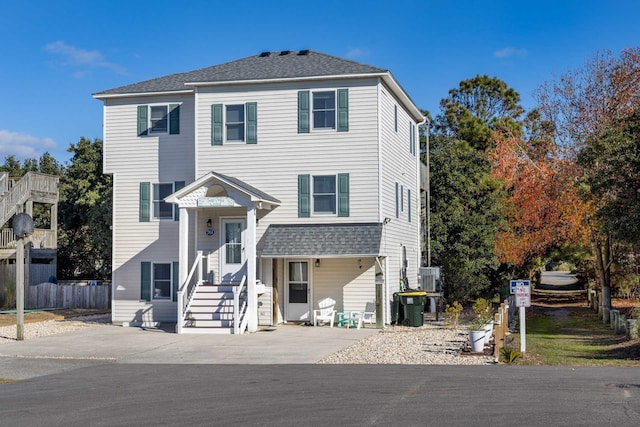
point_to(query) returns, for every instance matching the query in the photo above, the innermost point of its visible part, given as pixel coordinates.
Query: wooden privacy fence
(50, 295)
(501, 327)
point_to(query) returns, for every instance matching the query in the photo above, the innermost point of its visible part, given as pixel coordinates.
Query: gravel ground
(53, 327)
(431, 344)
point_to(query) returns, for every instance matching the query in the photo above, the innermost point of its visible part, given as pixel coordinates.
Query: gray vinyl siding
(343, 280)
(132, 159)
(281, 154)
(399, 165)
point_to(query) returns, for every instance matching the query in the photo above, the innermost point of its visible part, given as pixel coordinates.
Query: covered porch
(217, 271)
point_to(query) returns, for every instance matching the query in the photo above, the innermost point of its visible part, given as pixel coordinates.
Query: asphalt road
(319, 395)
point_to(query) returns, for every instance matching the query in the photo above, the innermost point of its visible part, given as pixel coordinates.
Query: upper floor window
(152, 204)
(234, 123)
(157, 119)
(324, 110)
(324, 194)
(162, 209)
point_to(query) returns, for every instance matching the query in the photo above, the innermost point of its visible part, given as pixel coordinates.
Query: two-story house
(248, 192)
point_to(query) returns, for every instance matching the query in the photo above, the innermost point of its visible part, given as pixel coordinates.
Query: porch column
(183, 245)
(250, 248)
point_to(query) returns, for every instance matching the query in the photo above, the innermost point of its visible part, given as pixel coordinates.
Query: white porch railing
(240, 318)
(187, 289)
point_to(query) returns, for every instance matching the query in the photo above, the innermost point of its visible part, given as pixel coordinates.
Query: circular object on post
(22, 225)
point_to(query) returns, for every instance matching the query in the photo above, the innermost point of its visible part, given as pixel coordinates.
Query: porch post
(183, 246)
(252, 297)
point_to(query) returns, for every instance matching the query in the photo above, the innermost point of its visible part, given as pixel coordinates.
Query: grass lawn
(574, 335)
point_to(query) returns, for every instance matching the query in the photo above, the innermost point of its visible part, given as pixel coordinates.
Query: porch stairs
(211, 309)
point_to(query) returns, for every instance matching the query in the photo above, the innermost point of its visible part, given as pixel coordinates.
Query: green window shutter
(304, 196)
(145, 201)
(216, 124)
(143, 121)
(409, 203)
(174, 119)
(252, 123)
(145, 281)
(397, 202)
(343, 110)
(175, 279)
(303, 111)
(343, 194)
(178, 185)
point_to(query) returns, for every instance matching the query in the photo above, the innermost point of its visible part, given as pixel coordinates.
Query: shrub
(453, 311)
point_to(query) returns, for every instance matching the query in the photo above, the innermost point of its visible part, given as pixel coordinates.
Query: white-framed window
(158, 118)
(162, 209)
(324, 194)
(161, 281)
(234, 122)
(324, 110)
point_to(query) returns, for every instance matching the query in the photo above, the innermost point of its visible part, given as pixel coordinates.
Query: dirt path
(563, 330)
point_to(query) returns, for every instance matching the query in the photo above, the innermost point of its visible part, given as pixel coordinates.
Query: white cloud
(510, 52)
(357, 53)
(23, 146)
(76, 57)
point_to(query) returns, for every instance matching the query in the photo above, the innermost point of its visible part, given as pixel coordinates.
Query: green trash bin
(413, 304)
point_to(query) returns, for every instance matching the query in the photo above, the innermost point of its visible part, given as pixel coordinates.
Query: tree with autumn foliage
(584, 105)
(543, 210)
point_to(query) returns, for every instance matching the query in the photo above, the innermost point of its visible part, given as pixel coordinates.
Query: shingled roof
(265, 66)
(321, 240)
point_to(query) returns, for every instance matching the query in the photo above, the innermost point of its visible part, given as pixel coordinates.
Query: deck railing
(40, 187)
(41, 238)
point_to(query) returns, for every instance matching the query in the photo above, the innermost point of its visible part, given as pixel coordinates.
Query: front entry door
(298, 291)
(232, 265)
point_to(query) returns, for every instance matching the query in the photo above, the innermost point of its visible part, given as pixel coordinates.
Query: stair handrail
(240, 320)
(187, 289)
(20, 192)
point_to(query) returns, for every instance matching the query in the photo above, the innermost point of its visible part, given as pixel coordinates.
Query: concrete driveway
(285, 344)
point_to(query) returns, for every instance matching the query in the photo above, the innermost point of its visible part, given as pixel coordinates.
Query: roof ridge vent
(303, 52)
(285, 52)
(264, 54)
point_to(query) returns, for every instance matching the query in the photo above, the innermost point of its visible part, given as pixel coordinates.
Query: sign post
(522, 291)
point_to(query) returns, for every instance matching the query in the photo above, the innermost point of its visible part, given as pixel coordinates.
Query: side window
(158, 119)
(152, 204)
(162, 209)
(161, 281)
(395, 118)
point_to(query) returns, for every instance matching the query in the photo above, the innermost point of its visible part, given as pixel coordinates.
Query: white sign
(514, 283)
(216, 202)
(523, 296)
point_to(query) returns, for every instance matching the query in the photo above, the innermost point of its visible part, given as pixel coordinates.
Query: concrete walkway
(285, 344)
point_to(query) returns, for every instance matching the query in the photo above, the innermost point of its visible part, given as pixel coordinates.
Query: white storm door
(298, 291)
(232, 259)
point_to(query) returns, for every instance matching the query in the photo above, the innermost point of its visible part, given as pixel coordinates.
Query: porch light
(317, 262)
(209, 223)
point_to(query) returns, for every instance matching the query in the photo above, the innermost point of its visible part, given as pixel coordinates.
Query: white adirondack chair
(368, 315)
(326, 312)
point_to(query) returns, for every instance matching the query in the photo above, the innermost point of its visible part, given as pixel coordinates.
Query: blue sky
(54, 55)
